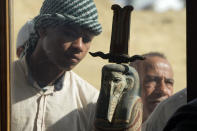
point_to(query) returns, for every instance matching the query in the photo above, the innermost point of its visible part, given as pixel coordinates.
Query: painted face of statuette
(116, 84)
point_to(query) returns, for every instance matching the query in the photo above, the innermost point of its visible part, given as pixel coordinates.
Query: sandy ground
(150, 31)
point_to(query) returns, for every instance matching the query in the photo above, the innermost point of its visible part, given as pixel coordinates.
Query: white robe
(70, 109)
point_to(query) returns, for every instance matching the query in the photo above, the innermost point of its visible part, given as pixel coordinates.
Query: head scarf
(24, 33)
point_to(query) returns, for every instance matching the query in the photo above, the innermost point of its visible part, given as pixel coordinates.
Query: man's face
(66, 46)
(156, 81)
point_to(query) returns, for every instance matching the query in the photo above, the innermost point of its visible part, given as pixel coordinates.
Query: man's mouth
(157, 101)
(74, 59)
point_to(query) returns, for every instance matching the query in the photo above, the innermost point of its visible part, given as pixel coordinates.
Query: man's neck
(145, 115)
(43, 71)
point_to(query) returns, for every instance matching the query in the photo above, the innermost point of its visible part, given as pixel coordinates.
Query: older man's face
(66, 46)
(156, 81)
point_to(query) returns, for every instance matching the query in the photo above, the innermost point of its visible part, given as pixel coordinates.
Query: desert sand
(149, 31)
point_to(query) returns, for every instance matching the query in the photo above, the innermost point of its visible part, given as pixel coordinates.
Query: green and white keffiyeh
(74, 12)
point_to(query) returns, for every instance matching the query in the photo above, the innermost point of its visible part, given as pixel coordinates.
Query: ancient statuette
(119, 107)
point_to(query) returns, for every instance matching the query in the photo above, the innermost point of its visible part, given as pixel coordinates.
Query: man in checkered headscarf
(46, 93)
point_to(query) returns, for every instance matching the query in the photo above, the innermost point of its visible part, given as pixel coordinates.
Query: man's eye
(151, 79)
(86, 39)
(71, 35)
(169, 82)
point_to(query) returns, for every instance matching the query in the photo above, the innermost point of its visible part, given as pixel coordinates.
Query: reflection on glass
(150, 31)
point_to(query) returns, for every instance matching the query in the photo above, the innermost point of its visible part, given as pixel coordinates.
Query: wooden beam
(4, 66)
(191, 49)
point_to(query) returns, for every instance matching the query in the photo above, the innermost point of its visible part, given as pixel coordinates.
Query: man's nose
(78, 44)
(161, 87)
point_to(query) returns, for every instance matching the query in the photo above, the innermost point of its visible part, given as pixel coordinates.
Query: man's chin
(153, 105)
(67, 67)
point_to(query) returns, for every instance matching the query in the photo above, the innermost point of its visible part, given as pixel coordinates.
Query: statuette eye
(116, 80)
